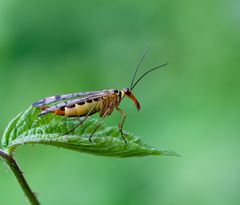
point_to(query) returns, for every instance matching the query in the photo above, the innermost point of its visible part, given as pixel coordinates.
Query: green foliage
(28, 128)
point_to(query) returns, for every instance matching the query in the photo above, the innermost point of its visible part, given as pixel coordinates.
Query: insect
(85, 104)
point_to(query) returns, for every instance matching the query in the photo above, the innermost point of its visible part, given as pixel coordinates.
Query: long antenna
(139, 63)
(147, 73)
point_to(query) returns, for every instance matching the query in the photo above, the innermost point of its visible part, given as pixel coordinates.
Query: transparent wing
(57, 98)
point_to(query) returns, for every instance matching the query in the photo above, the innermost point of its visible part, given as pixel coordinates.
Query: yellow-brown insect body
(105, 104)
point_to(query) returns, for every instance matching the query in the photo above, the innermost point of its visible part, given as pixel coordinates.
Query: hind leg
(98, 124)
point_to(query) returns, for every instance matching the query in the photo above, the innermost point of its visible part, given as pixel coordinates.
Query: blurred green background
(191, 106)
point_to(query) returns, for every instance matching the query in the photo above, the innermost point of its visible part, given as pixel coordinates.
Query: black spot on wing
(58, 97)
(47, 100)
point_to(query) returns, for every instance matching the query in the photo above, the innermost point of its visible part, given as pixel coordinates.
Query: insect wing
(57, 98)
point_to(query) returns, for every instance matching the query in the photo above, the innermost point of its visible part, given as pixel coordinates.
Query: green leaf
(28, 128)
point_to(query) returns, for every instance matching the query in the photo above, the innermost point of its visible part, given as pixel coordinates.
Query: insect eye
(127, 91)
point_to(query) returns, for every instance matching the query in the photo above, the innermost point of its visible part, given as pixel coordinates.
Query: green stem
(19, 176)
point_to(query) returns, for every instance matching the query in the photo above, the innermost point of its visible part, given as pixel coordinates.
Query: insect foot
(122, 134)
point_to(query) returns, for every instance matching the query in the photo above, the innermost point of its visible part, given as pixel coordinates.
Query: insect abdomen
(81, 109)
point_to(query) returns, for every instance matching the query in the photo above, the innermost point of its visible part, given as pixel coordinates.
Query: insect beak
(134, 99)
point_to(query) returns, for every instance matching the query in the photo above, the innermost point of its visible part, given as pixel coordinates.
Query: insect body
(85, 104)
(96, 101)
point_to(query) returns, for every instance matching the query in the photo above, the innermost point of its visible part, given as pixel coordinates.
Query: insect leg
(81, 122)
(120, 124)
(98, 124)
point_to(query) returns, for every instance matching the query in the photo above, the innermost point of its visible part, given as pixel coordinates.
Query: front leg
(120, 124)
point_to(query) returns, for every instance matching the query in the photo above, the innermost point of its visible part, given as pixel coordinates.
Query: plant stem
(19, 176)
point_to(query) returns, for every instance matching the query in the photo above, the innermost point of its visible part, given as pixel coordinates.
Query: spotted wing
(57, 98)
(79, 99)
